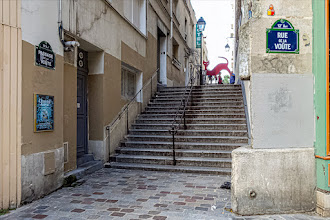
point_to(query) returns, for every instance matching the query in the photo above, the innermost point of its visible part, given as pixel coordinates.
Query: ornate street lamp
(227, 47)
(201, 27)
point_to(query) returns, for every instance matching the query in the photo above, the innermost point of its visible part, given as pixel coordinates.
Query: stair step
(200, 139)
(197, 99)
(167, 168)
(198, 95)
(178, 152)
(196, 103)
(216, 125)
(190, 132)
(196, 112)
(200, 116)
(180, 161)
(193, 120)
(192, 108)
(215, 89)
(181, 145)
(192, 126)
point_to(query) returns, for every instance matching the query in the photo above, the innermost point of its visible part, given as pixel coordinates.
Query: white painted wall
(100, 25)
(282, 110)
(39, 23)
(95, 63)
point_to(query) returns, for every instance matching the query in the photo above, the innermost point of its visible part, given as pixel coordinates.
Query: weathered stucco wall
(281, 107)
(273, 181)
(282, 110)
(36, 146)
(70, 115)
(88, 19)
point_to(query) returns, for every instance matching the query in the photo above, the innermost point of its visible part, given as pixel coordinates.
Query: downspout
(60, 22)
(171, 12)
(68, 45)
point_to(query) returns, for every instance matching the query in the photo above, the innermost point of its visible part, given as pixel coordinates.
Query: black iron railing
(125, 109)
(180, 115)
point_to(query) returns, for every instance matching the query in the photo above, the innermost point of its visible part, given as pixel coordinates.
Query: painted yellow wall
(10, 103)
(43, 81)
(70, 114)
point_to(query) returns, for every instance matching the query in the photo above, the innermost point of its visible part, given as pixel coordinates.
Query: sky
(219, 16)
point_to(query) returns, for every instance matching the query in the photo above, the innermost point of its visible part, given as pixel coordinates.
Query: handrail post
(173, 145)
(184, 119)
(151, 88)
(127, 120)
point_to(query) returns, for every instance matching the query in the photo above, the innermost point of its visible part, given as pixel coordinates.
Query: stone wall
(280, 87)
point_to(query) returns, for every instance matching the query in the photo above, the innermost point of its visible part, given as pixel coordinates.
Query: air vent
(66, 151)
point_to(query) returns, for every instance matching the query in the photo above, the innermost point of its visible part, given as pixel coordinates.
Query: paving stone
(160, 205)
(42, 207)
(112, 201)
(201, 208)
(93, 217)
(39, 216)
(127, 210)
(179, 203)
(113, 209)
(154, 212)
(168, 191)
(144, 216)
(119, 214)
(78, 210)
(159, 217)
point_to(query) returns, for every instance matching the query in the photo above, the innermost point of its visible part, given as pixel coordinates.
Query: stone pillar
(276, 174)
(10, 103)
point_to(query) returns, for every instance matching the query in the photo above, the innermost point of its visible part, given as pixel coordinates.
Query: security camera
(70, 45)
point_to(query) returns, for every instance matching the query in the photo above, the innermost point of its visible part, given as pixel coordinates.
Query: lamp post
(227, 47)
(201, 27)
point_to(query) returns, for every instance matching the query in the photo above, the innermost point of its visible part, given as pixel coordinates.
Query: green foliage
(5, 211)
(226, 79)
(68, 181)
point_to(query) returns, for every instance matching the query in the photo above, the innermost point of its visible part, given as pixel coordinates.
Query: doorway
(82, 113)
(161, 57)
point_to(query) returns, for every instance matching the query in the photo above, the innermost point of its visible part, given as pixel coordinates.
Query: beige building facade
(105, 53)
(10, 103)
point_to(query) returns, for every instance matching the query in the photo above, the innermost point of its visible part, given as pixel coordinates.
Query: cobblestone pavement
(124, 194)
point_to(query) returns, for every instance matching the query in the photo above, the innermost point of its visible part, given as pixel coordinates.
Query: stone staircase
(216, 125)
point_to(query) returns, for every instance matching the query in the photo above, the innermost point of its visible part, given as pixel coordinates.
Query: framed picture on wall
(43, 113)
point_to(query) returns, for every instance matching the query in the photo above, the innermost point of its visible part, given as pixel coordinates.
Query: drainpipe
(60, 22)
(68, 45)
(171, 11)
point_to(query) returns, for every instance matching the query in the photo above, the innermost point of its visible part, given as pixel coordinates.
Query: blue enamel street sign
(198, 37)
(282, 38)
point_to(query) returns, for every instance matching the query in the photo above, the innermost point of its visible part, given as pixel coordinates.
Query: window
(135, 11)
(128, 83)
(175, 50)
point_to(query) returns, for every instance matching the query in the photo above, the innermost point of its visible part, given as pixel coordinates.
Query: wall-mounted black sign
(45, 56)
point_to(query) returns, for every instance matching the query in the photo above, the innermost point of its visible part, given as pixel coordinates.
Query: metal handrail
(246, 110)
(176, 124)
(128, 104)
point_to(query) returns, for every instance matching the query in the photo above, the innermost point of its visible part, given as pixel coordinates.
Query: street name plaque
(282, 38)
(44, 55)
